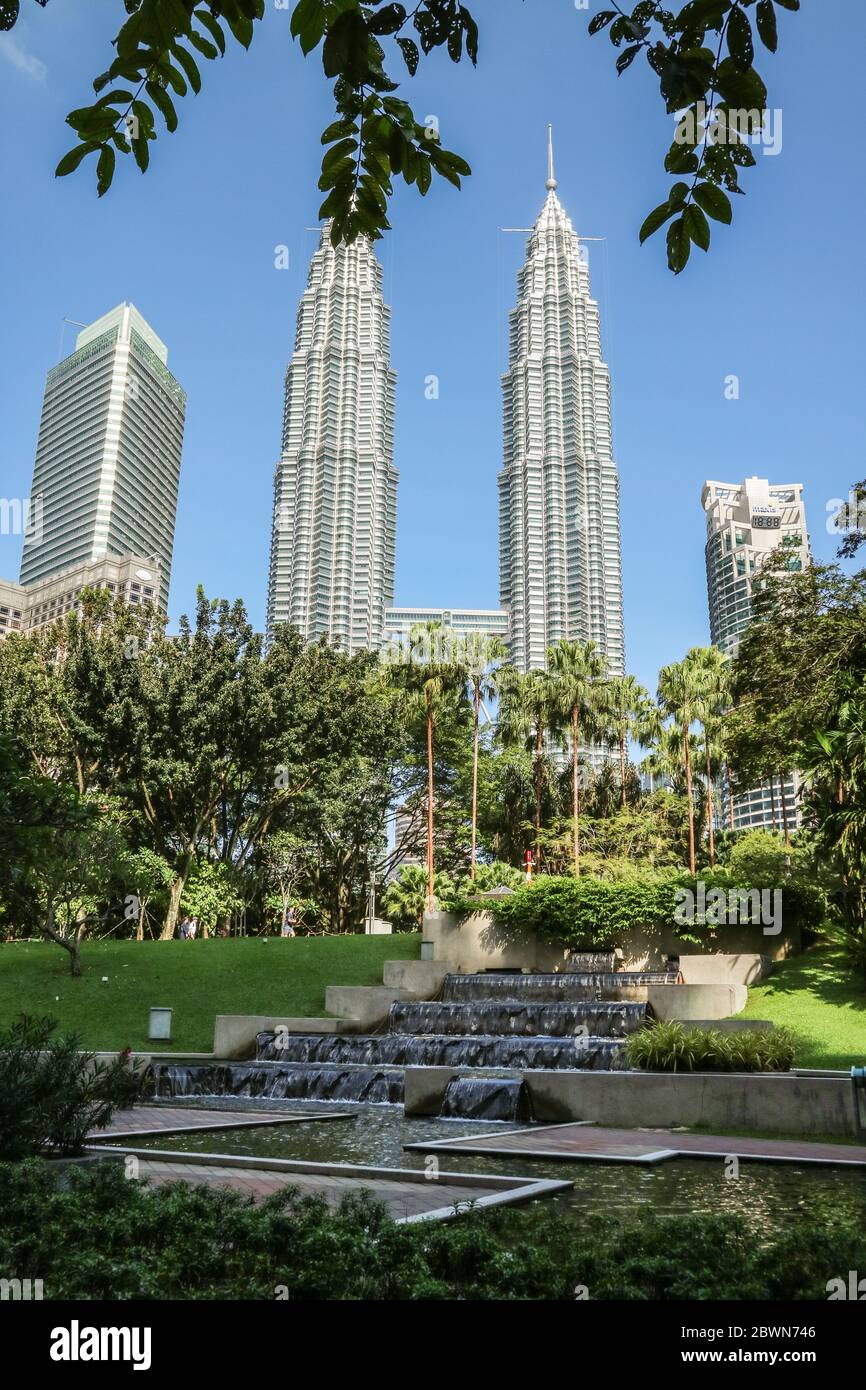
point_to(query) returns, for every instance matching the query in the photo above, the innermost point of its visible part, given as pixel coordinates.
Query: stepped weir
(487, 1023)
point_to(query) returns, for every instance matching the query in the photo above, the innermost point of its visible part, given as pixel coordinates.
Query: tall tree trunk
(773, 801)
(539, 748)
(174, 896)
(622, 768)
(730, 796)
(688, 752)
(477, 693)
(430, 894)
(784, 810)
(710, 814)
(139, 926)
(575, 787)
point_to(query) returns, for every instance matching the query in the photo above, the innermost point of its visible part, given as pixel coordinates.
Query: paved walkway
(586, 1142)
(177, 1119)
(408, 1193)
(403, 1199)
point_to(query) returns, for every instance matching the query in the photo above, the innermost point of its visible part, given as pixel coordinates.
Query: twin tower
(335, 487)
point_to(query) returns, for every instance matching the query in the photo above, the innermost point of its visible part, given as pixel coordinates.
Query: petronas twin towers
(335, 489)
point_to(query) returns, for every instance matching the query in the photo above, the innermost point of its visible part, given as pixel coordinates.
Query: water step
(565, 988)
(487, 1098)
(439, 1050)
(509, 1018)
(276, 1081)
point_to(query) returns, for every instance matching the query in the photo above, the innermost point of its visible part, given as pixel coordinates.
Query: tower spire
(551, 178)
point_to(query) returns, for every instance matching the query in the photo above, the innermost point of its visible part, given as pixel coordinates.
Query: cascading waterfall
(438, 1050)
(568, 987)
(487, 1098)
(273, 1081)
(576, 1020)
(509, 1018)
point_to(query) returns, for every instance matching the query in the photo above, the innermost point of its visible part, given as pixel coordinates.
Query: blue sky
(778, 302)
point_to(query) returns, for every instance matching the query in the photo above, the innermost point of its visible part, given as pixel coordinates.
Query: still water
(765, 1196)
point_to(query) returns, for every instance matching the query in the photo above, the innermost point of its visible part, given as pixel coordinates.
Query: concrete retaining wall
(778, 1104)
(417, 979)
(722, 1101)
(479, 943)
(688, 1002)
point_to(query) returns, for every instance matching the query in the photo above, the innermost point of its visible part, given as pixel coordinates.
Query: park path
(584, 1142)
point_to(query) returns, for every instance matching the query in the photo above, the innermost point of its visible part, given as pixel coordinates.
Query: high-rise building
(559, 532)
(107, 470)
(464, 622)
(335, 486)
(746, 522)
(131, 578)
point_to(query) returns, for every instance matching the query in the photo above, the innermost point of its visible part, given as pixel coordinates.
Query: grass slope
(198, 979)
(813, 996)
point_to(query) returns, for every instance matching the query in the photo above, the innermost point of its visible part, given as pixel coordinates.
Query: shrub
(584, 913)
(673, 1047)
(104, 1237)
(52, 1093)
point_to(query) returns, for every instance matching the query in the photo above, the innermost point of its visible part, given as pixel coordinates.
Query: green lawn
(121, 980)
(813, 996)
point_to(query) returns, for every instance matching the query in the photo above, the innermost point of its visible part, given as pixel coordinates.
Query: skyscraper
(335, 486)
(108, 455)
(746, 522)
(559, 534)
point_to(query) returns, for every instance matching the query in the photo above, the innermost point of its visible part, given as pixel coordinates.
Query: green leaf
(601, 20)
(189, 66)
(70, 162)
(697, 226)
(206, 49)
(346, 49)
(789, 4)
(657, 218)
(714, 202)
(209, 22)
(411, 54)
(766, 19)
(681, 159)
(740, 43)
(163, 102)
(679, 246)
(741, 89)
(338, 131)
(105, 169)
(626, 58)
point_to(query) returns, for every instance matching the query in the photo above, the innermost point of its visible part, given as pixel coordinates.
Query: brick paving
(582, 1142)
(403, 1199)
(177, 1119)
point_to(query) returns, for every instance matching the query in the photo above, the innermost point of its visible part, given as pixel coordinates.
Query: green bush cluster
(589, 913)
(105, 1237)
(586, 913)
(52, 1093)
(675, 1047)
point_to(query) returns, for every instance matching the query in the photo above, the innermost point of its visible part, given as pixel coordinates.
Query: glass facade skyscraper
(335, 486)
(108, 456)
(559, 532)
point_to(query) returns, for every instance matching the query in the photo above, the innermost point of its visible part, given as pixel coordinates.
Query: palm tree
(526, 713)
(432, 674)
(576, 672)
(479, 657)
(626, 705)
(711, 669)
(679, 693)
